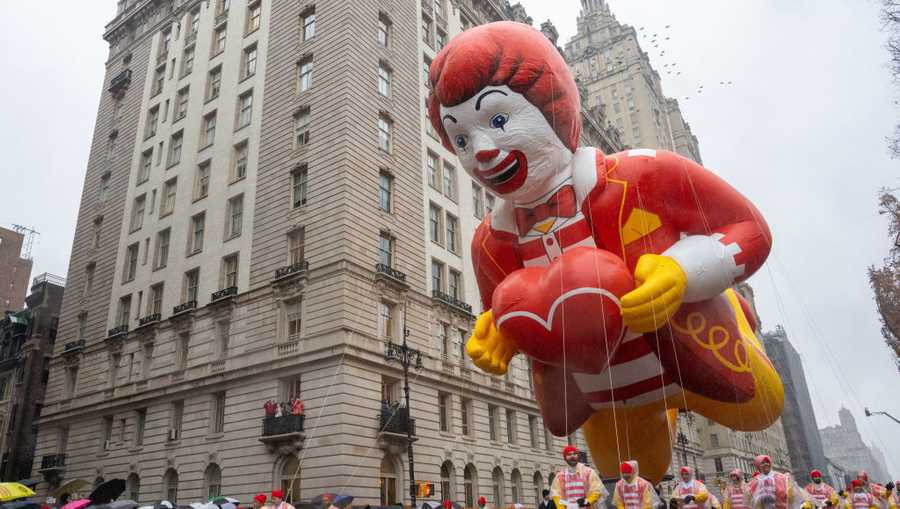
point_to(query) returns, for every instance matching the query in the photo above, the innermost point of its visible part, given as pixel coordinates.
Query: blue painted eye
(461, 141)
(499, 120)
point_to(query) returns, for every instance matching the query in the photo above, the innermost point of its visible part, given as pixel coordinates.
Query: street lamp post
(870, 414)
(407, 357)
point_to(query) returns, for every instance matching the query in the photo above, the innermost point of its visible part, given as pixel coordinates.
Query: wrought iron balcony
(301, 266)
(396, 420)
(72, 346)
(387, 270)
(231, 291)
(451, 301)
(53, 461)
(121, 330)
(120, 83)
(283, 425)
(184, 307)
(155, 317)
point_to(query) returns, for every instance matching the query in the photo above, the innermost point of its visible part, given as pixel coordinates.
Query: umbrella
(13, 491)
(21, 504)
(108, 491)
(305, 505)
(70, 487)
(430, 505)
(342, 501)
(163, 504)
(77, 504)
(225, 500)
(123, 504)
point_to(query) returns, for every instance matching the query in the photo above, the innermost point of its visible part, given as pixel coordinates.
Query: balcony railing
(221, 17)
(155, 317)
(72, 346)
(283, 425)
(387, 270)
(231, 291)
(396, 420)
(190, 38)
(53, 461)
(117, 331)
(120, 82)
(184, 306)
(451, 301)
(301, 266)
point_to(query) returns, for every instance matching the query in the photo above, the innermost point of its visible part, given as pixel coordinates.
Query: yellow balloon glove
(661, 283)
(488, 349)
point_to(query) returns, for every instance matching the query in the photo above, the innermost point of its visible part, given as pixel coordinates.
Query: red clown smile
(508, 175)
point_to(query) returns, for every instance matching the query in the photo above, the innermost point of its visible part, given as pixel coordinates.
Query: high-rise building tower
(14, 271)
(844, 445)
(265, 208)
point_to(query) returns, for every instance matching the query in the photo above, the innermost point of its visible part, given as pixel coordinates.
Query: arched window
(497, 487)
(133, 487)
(516, 479)
(170, 486)
(290, 479)
(470, 483)
(212, 481)
(447, 481)
(388, 482)
(538, 488)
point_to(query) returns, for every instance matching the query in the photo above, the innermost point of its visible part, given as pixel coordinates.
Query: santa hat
(448, 504)
(862, 475)
(762, 458)
(815, 473)
(684, 470)
(626, 468)
(278, 494)
(482, 501)
(261, 498)
(856, 483)
(736, 472)
(569, 449)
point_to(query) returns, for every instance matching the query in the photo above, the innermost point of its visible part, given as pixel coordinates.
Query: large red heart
(566, 314)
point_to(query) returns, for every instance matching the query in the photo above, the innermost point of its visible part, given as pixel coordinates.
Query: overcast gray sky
(801, 132)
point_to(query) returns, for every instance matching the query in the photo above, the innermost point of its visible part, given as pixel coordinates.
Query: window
(465, 413)
(387, 320)
(161, 258)
(106, 436)
(431, 161)
(88, 282)
(290, 479)
(454, 284)
(714, 442)
(497, 487)
(299, 186)
(123, 314)
(245, 109)
(181, 107)
(159, 79)
(152, 122)
(141, 423)
(443, 336)
(214, 83)
(113, 371)
(452, 234)
(165, 42)
(71, 380)
(296, 246)
(168, 198)
(170, 486)
(516, 481)
(489, 203)
(444, 411)
(385, 249)
(137, 212)
(235, 216)
(510, 426)
(195, 242)
(477, 201)
(222, 7)
(492, 421)
(385, 129)
(437, 276)
(533, 431)
(293, 311)
(427, 31)
(440, 40)
(385, 189)
(191, 283)
(446, 481)
(239, 166)
(308, 21)
(248, 64)
(176, 417)
(212, 482)
(229, 271)
(181, 355)
(254, 11)
(449, 181)
(301, 127)
(201, 181)
(384, 80)
(217, 416)
(175, 148)
(434, 223)
(131, 260)
(209, 130)
(462, 334)
(223, 333)
(218, 44)
(383, 34)
(305, 74)
(718, 465)
(439, 8)
(194, 24)
(187, 61)
(104, 191)
(426, 70)
(146, 165)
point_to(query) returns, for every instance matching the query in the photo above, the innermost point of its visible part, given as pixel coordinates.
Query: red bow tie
(561, 204)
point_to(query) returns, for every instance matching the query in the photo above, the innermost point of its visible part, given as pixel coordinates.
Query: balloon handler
(611, 273)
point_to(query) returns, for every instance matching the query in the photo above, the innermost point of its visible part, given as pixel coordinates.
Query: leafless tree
(890, 16)
(885, 281)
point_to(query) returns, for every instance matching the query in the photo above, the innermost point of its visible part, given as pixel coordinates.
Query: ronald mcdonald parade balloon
(612, 273)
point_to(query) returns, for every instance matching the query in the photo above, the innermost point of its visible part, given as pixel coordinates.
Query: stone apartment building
(265, 208)
(14, 271)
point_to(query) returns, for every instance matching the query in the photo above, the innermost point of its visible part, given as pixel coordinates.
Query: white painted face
(504, 141)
